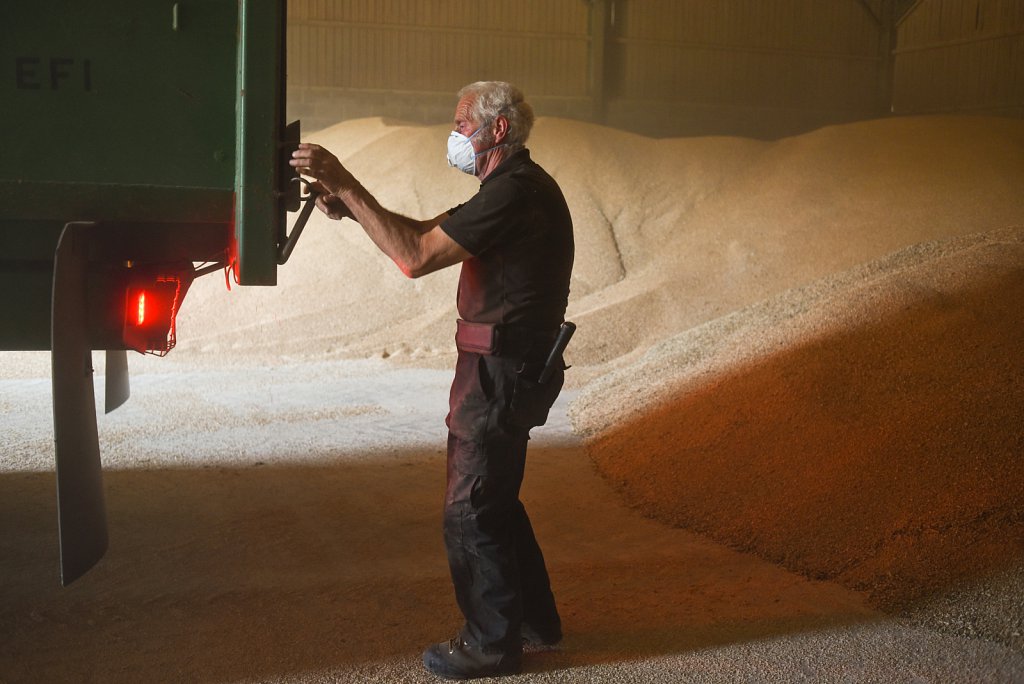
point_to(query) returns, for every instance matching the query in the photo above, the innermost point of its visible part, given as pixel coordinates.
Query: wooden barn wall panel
(410, 45)
(961, 55)
(766, 79)
(387, 59)
(786, 53)
(667, 62)
(557, 16)
(808, 25)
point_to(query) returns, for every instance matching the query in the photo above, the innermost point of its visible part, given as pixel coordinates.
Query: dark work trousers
(496, 564)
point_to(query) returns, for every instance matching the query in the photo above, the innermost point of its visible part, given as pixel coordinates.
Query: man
(515, 243)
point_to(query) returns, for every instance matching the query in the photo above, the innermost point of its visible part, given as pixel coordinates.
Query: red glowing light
(142, 309)
(151, 304)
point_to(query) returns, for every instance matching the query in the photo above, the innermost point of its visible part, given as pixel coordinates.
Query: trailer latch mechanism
(288, 245)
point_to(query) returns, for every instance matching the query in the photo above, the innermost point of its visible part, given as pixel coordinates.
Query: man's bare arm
(416, 247)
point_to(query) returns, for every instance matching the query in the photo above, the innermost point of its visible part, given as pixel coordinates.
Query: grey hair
(494, 98)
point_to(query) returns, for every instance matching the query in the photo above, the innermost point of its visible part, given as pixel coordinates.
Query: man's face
(467, 125)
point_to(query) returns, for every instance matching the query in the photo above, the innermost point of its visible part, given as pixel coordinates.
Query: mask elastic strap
(489, 149)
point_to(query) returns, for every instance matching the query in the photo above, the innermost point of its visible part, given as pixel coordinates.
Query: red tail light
(151, 306)
(141, 308)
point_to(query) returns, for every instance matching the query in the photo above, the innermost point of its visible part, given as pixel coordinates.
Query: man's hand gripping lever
(555, 357)
(331, 205)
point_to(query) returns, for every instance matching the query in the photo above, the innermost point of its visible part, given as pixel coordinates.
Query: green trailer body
(142, 142)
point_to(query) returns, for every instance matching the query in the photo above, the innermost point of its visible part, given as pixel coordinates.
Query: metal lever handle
(300, 223)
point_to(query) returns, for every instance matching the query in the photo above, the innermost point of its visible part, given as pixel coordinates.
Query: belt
(503, 339)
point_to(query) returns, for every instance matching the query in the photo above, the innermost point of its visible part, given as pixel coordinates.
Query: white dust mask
(461, 154)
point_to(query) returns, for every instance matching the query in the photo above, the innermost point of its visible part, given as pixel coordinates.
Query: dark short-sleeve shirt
(519, 231)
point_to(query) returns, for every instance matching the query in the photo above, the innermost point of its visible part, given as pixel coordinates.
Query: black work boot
(456, 659)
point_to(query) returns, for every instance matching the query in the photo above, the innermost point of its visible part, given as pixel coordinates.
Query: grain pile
(809, 348)
(865, 429)
(670, 233)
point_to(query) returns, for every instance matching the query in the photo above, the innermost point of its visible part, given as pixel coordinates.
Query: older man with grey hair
(514, 240)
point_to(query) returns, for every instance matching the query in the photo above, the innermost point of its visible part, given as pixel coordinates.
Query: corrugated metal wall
(661, 67)
(961, 55)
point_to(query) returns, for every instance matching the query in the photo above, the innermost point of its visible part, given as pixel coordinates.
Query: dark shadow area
(887, 457)
(225, 574)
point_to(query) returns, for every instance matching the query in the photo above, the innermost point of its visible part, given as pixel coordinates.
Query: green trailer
(143, 145)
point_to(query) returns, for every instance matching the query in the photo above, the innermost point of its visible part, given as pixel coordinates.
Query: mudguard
(81, 508)
(117, 389)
